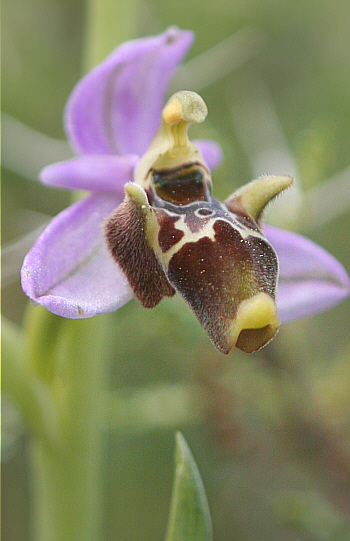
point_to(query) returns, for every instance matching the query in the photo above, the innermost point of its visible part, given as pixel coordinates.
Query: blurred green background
(270, 431)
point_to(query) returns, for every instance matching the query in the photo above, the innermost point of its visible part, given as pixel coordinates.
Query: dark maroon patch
(182, 185)
(128, 245)
(214, 277)
(168, 235)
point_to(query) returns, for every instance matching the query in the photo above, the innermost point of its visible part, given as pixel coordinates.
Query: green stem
(70, 357)
(67, 481)
(32, 396)
(42, 329)
(108, 23)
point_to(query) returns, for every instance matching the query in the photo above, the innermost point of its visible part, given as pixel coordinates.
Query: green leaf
(189, 518)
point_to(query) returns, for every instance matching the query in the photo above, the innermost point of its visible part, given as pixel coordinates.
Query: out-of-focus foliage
(272, 439)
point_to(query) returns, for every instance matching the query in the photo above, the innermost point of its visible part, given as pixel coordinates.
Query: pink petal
(91, 172)
(311, 280)
(69, 269)
(211, 152)
(116, 108)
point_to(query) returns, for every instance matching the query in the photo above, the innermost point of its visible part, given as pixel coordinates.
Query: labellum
(170, 234)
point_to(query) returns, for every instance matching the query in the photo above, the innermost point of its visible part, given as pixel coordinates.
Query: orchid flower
(150, 220)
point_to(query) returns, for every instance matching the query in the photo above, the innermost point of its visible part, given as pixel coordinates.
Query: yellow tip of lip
(256, 323)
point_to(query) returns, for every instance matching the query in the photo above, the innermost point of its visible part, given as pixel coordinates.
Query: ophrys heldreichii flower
(169, 233)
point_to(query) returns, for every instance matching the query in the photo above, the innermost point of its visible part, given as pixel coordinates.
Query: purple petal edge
(69, 269)
(72, 300)
(97, 173)
(311, 280)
